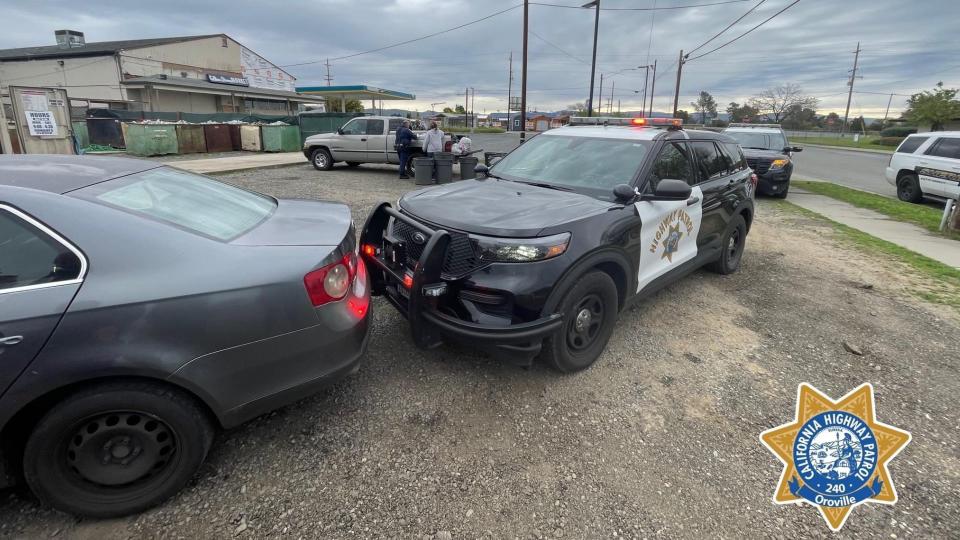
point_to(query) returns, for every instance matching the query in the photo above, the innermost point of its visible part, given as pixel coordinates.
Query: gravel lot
(659, 439)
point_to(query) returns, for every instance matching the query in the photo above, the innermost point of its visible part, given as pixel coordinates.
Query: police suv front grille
(759, 166)
(461, 257)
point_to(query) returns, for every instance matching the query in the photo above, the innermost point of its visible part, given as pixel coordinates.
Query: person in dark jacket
(405, 138)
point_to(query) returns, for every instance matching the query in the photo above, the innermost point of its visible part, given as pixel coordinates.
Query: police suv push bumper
(417, 295)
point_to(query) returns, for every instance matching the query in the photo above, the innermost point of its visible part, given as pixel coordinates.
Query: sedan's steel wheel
(120, 448)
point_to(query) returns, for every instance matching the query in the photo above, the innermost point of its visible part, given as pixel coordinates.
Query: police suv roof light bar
(669, 123)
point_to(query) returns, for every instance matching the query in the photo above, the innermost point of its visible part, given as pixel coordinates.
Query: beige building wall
(195, 58)
(93, 78)
(184, 102)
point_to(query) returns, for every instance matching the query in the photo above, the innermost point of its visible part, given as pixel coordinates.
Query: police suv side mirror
(480, 169)
(624, 192)
(797, 149)
(339, 131)
(669, 190)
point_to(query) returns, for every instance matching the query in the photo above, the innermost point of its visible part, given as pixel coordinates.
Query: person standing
(405, 137)
(433, 140)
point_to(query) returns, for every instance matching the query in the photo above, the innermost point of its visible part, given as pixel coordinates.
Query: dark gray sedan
(142, 306)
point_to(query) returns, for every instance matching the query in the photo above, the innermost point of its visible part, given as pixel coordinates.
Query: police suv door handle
(363, 140)
(12, 340)
(693, 200)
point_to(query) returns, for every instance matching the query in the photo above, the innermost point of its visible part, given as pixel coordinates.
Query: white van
(926, 165)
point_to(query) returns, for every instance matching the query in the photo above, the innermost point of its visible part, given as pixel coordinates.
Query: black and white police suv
(544, 251)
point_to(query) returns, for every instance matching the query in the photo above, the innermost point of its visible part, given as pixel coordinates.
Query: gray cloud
(907, 46)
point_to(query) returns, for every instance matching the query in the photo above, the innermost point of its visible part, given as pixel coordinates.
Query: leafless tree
(776, 101)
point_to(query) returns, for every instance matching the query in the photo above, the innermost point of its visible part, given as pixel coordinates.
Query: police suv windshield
(570, 162)
(763, 141)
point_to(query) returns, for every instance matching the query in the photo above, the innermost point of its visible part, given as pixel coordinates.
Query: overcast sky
(907, 46)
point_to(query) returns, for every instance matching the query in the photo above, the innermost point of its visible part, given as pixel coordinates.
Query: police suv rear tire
(908, 188)
(589, 311)
(321, 159)
(732, 246)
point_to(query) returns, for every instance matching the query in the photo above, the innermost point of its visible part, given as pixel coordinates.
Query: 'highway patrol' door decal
(668, 234)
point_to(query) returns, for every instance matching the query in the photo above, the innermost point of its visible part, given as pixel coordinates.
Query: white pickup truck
(366, 139)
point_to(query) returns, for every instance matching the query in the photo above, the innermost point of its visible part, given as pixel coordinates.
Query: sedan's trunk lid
(298, 222)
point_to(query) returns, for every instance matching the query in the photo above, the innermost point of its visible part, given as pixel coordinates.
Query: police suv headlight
(521, 249)
(779, 163)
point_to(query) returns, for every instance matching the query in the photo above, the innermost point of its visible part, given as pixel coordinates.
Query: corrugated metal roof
(99, 48)
(187, 83)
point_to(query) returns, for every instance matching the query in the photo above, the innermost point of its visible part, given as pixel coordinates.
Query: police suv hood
(763, 154)
(499, 207)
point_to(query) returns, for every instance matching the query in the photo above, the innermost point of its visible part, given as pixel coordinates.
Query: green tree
(353, 105)
(741, 113)
(857, 124)
(706, 106)
(448, 110)
(683, 115)
(933, 107)
(832, 121)
(460, 109)
(798, 117)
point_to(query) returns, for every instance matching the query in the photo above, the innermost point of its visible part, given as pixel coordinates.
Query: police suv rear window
(911, 144)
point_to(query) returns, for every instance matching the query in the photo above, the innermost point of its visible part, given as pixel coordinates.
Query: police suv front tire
(589, 311)
(321, 159)
(732, 246)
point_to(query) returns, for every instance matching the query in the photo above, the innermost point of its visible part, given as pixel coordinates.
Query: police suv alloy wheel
(589, 310)
(321, 159)
(731, 249)
(116, 449)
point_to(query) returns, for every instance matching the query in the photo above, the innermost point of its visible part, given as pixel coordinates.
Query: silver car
(142, 307)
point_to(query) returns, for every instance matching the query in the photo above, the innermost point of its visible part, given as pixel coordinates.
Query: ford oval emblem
(419, 238)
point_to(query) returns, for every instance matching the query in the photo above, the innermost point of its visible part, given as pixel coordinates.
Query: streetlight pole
(593, 64)
(646, 76)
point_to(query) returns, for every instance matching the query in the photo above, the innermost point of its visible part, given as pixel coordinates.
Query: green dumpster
(280, 138)
(81, 133)
(150, 139)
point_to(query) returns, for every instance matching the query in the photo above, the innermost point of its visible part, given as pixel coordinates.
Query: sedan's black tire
(589, 311)
(353, 164)
(116, 448)
(321, 159)
(732, 245)
(908, 188)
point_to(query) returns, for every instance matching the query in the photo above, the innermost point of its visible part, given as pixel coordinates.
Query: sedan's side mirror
(481, 169)
(624, 192)
(669, 190)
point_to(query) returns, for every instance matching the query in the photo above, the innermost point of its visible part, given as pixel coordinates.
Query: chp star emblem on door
(672, 242)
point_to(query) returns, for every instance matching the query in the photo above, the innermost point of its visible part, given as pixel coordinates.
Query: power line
(765, 21)
(407, 42)
(557, 47)
(641, 9)
(740, 18)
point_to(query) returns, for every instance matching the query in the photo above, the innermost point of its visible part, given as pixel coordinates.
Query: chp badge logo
(835, 453)
(668, 233)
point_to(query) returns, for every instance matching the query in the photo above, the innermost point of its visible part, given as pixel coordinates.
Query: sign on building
(225, 79)
(41, 123)
(263, 74)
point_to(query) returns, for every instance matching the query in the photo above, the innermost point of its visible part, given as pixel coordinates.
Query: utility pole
(889, 101)
(523, 77)
(646, 77)
(466, 107)
(600, 108)
(328, 78)
(653, 84)
(593, 64)
(676, 91)
(510, 94)
(613, 86)
(473, 112)
(853, 75)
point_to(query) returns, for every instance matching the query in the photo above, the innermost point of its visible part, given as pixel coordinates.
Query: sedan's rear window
(184, 199)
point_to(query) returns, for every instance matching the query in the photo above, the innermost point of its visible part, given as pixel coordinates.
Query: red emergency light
(671, 122)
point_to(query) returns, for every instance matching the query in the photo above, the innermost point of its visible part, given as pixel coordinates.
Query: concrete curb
(240, 169)
(864, 150)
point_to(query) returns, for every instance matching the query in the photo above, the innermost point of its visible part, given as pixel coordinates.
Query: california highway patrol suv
(543, 253)
(768, 154)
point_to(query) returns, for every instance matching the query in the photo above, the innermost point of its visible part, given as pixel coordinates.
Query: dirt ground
(659, 439)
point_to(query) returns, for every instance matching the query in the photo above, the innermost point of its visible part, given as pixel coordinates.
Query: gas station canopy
(359, 91)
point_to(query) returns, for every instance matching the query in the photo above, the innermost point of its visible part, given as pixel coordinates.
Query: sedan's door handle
(12, 340)
(693, 200)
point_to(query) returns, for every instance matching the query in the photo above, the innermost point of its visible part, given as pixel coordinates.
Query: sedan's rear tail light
(331, 282)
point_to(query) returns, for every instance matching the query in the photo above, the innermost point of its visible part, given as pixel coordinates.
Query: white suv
(926, 165)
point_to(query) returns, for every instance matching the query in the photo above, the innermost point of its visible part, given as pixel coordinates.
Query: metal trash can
(467, 163)
(444, 169)
(489, 158)
(423, 171)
